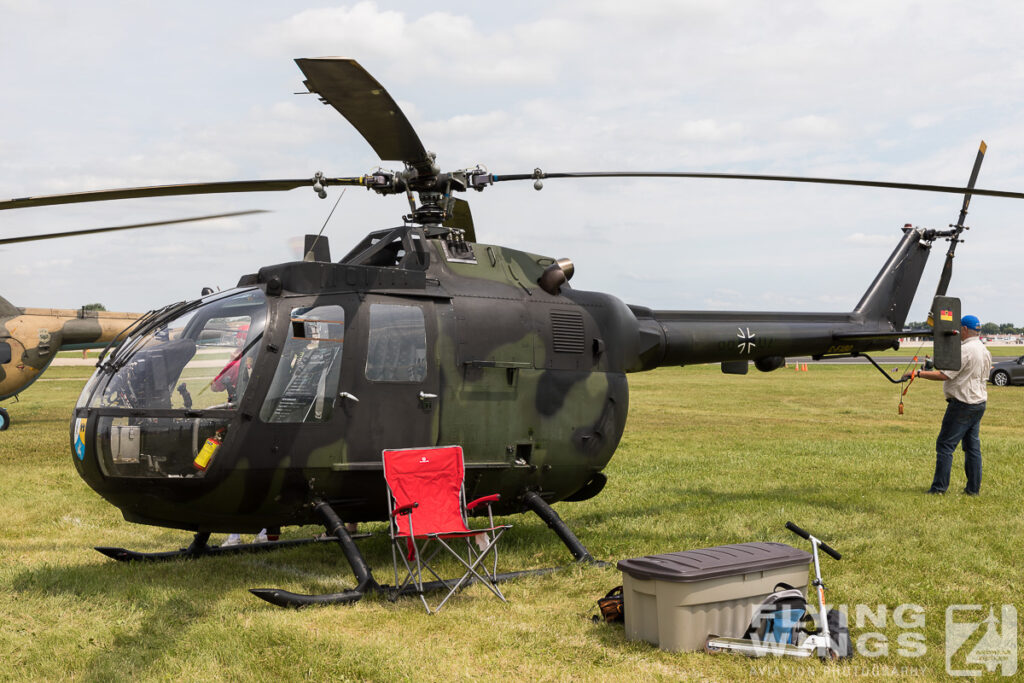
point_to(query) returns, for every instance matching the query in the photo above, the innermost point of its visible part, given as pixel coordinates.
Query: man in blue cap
(966, 394)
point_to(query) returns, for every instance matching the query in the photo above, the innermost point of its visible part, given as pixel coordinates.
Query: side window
(306, 382)
(5, 353)
(397, 348)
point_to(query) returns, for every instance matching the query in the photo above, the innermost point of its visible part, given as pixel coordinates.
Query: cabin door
(390, 379)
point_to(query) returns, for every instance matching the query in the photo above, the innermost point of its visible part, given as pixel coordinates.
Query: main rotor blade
(174, 190)
(748, 176)
(349, 88)
(72, 233)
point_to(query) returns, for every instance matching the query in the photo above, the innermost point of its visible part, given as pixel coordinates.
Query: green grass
(707, 459)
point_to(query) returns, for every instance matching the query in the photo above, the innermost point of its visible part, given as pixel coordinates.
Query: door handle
(427, 397)
(346, 395)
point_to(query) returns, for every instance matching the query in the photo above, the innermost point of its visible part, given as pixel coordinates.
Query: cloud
(437, 42)
(707, 130)
(813, 126)
(859, 90)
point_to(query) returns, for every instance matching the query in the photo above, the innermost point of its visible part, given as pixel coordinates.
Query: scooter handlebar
(830, 551)
(803, 534)
(797, 530)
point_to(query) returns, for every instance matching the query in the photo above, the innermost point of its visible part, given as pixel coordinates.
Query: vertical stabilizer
(7, 308)
(890, 295)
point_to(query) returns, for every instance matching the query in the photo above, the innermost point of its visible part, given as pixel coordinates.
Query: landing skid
(364, 577)
(336, 533)
(199, 548)
(283, 598)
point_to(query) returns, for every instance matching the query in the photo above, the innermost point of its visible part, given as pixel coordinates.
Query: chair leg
(471, 568)
(474, 548)
(414, 569)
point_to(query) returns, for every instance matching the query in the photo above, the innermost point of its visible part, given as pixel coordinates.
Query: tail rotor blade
(946, 276)
(947, 267)
(971, 182)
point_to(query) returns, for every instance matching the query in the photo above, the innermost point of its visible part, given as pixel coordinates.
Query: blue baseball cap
(971, 322)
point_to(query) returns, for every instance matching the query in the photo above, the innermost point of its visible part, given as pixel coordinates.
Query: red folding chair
(428, 511)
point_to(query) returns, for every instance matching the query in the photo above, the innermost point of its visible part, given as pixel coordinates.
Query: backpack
(781, 618)
(612, 607)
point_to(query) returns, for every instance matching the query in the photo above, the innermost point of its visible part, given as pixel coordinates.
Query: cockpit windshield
(199, 359)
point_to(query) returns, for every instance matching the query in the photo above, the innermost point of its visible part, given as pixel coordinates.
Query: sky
(112, 94)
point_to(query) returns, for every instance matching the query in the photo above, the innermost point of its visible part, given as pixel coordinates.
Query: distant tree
(990, 328)
(94, 307)
(1007, 328)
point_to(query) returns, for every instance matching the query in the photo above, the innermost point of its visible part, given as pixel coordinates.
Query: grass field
(707, 459)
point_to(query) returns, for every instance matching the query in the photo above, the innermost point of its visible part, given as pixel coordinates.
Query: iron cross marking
(746, 344)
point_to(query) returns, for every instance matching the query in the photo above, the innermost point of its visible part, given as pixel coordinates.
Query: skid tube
(336, 532)
(335, 527)
(364, 576)
(531, 499)
(199, 548)
(556, 524)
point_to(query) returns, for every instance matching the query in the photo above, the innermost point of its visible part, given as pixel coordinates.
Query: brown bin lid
(712, 563)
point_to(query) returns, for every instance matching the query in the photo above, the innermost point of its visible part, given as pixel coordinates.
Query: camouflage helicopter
(31, 337)
(420, 335)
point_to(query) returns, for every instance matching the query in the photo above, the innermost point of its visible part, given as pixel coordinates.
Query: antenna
(311, 249)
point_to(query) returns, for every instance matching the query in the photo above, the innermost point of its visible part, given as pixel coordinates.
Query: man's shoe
(935, 492)
(970, 493)
(232, 540)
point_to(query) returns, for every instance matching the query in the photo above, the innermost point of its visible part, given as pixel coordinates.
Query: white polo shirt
(968, 384)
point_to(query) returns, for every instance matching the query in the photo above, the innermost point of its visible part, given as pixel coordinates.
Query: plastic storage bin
(675, 600)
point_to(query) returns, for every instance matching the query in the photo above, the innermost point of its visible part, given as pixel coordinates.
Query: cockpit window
(397, 350)
(305, 385)
(199, 360)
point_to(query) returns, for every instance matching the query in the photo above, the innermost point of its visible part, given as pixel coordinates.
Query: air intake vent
(567, 331)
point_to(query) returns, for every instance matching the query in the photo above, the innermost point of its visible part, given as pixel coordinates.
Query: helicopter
(420, 335)
(31, 337)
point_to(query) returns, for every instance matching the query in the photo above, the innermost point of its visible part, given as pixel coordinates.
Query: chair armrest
(404, 509)
(486, 500)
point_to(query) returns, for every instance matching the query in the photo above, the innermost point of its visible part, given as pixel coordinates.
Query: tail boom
(767, 338)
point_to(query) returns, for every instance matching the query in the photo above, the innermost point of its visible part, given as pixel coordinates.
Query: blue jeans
(961, 422)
